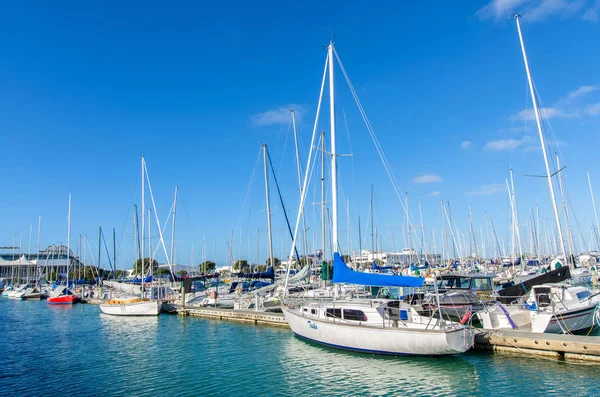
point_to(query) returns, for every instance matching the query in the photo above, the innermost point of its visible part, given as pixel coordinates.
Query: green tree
(207, 266)
(379, 262)
(305, 261)
(346, 258)
(137, 268)
(241, 266)
(276, 262)
(182, 273)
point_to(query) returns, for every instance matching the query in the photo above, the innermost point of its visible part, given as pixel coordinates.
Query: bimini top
(343, 274)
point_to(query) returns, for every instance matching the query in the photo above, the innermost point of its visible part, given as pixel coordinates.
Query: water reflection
(320, 370)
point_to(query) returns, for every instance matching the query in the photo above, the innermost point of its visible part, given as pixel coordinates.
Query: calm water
(54, 350)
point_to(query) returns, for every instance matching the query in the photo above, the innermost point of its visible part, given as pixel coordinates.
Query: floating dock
(248, 316)
(557, 346)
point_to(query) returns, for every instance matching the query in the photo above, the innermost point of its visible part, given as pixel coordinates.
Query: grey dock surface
(249, 316)
(558, 346)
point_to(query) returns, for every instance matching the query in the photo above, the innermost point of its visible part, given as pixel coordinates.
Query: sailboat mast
(565, 210)
(595, 211)
(372, 224)
(268, 201)
(68, 240)
(322, 194)
(543, 144)
(143, 211)
(173, 230)
(334, 203)
(299, 169)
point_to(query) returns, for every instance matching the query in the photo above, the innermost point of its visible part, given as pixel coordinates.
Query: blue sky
(196, 88)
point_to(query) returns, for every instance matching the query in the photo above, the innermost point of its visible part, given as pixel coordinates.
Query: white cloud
(593, 110)
(487, 190)
(281, 115)
(591, 13)
(529, 115)
(427, 178)
(466, 144)
(531, 10)
(506, 144)
(584, 89)
(435, 194)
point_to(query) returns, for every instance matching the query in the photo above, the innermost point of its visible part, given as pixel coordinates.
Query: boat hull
(145, 308)
(378, 340)
(63, 300)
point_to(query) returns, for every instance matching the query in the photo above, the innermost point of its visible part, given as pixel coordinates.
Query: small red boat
(62, 296)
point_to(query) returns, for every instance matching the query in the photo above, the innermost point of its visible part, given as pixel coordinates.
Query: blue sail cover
(377, 267)
(343, 274)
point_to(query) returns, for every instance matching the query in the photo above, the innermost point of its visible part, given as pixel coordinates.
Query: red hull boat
(62, 296)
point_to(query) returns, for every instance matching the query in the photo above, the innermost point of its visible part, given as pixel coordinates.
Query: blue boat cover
(377, 267)
(270, 273)
(343, 274)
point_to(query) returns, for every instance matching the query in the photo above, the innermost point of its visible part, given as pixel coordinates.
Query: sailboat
(135, 305)
(550, 308)
(61, 294)
(377, 326)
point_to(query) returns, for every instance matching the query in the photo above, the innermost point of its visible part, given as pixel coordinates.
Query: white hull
(562, 322)
(150, 308)
(379, 340)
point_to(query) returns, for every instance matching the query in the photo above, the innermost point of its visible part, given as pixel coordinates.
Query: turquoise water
(56, 350)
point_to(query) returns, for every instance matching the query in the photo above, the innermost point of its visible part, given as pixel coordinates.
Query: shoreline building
(21, 267)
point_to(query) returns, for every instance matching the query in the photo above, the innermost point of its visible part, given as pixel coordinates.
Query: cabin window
(482, 284)
(313, 311)
(583, 294)
(305, 310)
(336, 313)
(403, 315)
(354, 315)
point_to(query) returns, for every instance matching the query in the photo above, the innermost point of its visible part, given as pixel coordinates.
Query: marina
(231, 199)
(229, 357)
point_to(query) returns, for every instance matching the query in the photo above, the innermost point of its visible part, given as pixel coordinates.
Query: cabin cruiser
(459, 295)
(548, 308)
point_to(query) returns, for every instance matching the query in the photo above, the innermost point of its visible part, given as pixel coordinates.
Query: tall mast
(29, 253)
(472, 231)
(372, 224)
(143, 211)
(565, 210)
(173, 229)
(517, 230)
(322, 194)
(268, 207)
(334, 204)
(408, 226)
(543, 144)
(595, 211)
(299, 169)
(114, 250)
(68, 240)
(150, 251)
(422, 231)
(38, 245)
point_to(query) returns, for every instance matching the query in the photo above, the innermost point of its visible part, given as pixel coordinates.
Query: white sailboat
(373, 326)
(551, 308)
(135, 305)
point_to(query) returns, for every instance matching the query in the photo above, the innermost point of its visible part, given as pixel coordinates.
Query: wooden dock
(557, 346)
(248, 316)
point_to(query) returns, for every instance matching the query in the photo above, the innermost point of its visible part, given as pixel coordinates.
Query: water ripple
(54, 350)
